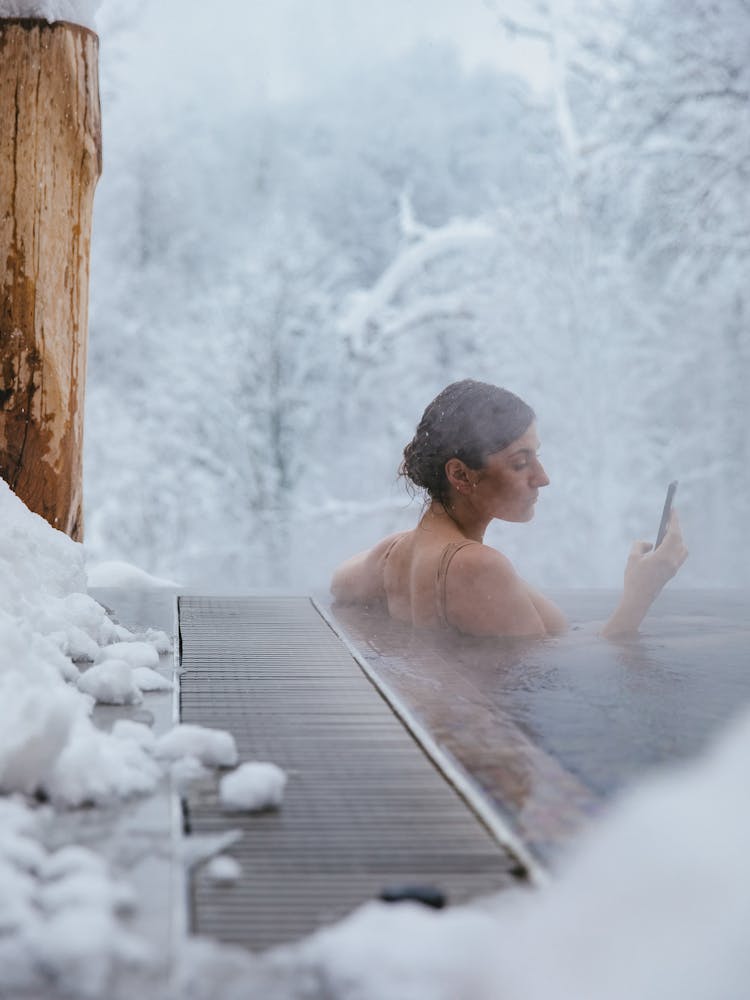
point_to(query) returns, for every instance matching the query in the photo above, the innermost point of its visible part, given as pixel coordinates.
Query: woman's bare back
(433, 576)
(414, 571)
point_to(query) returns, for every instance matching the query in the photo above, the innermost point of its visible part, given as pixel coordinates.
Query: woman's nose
(540, 476)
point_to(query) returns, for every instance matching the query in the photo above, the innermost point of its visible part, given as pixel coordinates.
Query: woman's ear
(459, 475)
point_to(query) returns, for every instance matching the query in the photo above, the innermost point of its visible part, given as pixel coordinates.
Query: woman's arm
(646, 572)
(360, 578)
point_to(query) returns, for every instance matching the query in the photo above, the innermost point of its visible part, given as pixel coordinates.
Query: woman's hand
(646, 572)
(648, 569)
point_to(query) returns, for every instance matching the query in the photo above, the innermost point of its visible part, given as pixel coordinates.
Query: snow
(198, 848)
(137, 732)
(186, 772)
(95, 767)
(33, 557)
(39, 710)
(118, 574)
(223, 869)
(48, 742)
(136, 654)
(367, 309)
(158, 639)
(111, 682)
(85, 887)
(252, 786)
(151, 680)
(60, 913)
(407, 951)
(213, 747)
(64, 914)
(81, 12)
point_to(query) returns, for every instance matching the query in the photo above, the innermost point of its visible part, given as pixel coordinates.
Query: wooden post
(50, 161)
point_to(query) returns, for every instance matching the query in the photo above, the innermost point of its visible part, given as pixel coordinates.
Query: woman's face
(508, 485)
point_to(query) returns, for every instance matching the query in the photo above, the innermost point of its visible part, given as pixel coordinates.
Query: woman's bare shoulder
(486, 596)
(478, 558)
(360, 578)
(383, 547)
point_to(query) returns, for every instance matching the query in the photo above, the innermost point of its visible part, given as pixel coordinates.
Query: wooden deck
(365, 809)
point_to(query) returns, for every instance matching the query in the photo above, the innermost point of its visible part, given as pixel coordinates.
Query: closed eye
(523, 458)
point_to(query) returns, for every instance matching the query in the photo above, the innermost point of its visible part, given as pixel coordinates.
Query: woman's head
(468, 420)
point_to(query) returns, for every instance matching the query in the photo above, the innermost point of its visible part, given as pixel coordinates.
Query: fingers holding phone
(669, 548)
(662, 562)
(672, 550)
(649, 567)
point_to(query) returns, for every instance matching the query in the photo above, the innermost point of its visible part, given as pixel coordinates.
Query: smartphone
(671, 490)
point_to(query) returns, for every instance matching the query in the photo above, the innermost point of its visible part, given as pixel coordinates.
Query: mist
(313, 217)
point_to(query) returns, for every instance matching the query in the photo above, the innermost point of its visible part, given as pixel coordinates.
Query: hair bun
(411, 466)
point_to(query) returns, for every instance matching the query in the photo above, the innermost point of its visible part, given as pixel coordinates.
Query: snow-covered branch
(371, 314)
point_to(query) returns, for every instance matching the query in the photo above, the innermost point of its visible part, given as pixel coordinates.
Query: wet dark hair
(467, 420)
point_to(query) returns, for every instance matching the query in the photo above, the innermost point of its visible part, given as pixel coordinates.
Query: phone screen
(671, 489)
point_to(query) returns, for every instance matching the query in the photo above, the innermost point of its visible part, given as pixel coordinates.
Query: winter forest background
(311, 220)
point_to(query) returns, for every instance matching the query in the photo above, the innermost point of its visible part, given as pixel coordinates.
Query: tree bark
(50, 161)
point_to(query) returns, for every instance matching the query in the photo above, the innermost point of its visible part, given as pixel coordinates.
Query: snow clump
(212, 747)
(111, 682)
(223, 869)
(252, 787)
(147, 679)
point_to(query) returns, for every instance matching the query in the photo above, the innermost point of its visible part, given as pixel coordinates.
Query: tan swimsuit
(441, 577)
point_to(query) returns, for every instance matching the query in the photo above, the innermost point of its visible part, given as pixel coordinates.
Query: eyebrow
(524, 451)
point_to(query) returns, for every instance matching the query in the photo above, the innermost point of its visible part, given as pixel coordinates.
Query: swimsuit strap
(390, 547)
(441, 578)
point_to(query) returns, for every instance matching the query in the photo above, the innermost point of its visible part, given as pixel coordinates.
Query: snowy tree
(280, 288)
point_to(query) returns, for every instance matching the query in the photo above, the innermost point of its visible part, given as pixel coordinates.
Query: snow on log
(50, 161)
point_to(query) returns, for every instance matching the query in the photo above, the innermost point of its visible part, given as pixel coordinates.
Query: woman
(475, 454)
